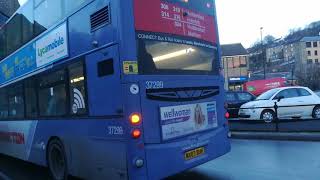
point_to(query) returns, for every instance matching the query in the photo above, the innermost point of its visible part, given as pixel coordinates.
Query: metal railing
(293, 124)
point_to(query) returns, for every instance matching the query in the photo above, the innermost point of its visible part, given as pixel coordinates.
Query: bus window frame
(182, 72)
(52, 85)
(68, 114)
(35, 78)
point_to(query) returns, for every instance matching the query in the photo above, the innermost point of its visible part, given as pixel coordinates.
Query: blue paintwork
(18, 64)
(105, 97)
(91, 151)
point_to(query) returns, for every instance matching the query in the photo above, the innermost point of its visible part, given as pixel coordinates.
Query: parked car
(234, 99)
(293, 102)
(317, 92)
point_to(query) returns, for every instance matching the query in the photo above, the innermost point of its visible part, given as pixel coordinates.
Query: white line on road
(4, 177)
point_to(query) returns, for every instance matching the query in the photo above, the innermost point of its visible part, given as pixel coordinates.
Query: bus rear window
(158, 57)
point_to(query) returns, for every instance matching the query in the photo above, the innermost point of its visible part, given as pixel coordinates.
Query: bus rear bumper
(167, 159)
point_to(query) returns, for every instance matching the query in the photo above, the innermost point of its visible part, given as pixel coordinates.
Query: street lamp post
(293, 66)
(262, 56)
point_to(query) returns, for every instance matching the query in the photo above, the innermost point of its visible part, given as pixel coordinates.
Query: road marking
(4, 177)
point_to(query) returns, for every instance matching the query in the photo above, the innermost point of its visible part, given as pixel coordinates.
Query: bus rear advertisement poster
(186, 119)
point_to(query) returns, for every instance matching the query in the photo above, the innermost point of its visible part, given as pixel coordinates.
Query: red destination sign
(163, 17)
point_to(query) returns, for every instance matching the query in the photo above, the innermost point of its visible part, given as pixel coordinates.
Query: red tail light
(136, 133)
(135, 119)
(227, 115)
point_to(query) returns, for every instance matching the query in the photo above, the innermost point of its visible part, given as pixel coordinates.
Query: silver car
(293, 102)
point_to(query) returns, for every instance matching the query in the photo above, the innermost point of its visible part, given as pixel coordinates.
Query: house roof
(313, 38)
(233, 49)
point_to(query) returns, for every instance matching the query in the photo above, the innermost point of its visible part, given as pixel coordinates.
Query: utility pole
(262, 56)
(293, 66)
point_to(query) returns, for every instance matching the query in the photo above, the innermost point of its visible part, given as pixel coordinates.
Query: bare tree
(308, 75)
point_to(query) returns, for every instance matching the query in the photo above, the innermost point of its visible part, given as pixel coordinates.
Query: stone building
(7, 8)
(235, 65)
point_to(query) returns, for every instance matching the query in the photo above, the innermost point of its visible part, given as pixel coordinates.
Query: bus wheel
(57, 161)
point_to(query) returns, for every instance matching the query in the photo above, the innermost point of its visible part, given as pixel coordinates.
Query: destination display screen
(187, 18)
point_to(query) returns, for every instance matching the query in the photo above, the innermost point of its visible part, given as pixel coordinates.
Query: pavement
(287, 136)
(248, 159)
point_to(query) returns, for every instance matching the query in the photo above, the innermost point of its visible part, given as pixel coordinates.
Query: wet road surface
(249, 159)
(263, 160)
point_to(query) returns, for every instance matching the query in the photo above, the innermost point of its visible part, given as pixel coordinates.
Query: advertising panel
(53, 46)
(182, 120)
(18, 64)
(49, 48)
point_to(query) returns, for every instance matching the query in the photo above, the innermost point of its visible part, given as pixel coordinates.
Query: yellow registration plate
(194, 153)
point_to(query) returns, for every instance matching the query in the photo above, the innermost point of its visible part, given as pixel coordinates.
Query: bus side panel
(16, 138)
(81, 36)
(91, 152)
(104, 90)
(105, 155)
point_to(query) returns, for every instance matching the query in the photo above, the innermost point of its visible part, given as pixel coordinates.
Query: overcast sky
(22, 1)
(240, 20)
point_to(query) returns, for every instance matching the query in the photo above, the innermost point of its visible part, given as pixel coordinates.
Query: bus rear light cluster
(135, 119)
(227, 115)
(136, 133)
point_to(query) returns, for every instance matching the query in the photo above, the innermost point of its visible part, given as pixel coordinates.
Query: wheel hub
(267, 117)
(317, 113)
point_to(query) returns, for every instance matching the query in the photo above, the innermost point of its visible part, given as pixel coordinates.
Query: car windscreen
(267, 95)
(245, 96)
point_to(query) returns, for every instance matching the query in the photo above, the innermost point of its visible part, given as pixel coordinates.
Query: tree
(268, 39)
(308, 75)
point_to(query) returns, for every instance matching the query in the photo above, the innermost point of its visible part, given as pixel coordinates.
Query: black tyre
(57, 161)
(268, 116)
(316, 112)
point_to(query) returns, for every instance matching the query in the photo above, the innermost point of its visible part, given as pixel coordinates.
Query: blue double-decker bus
(112, 89)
